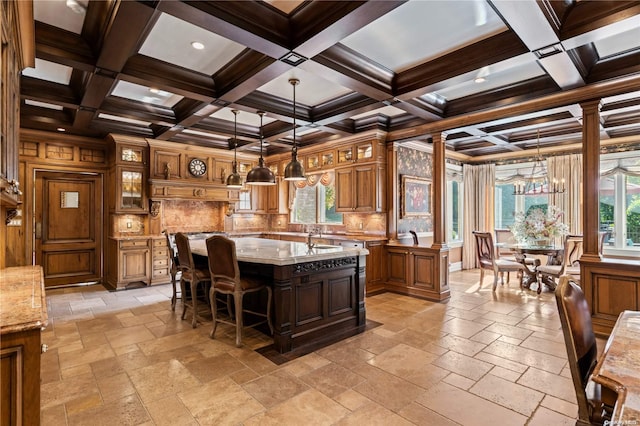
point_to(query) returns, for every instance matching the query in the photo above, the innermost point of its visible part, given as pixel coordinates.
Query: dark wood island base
(318, 294)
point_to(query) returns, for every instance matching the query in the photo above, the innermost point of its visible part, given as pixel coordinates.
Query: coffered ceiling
(130, 67)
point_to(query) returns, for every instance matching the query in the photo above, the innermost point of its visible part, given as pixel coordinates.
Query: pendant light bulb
(294, 170)
(234, 180)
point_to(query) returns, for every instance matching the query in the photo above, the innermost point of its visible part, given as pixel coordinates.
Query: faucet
(312, 231)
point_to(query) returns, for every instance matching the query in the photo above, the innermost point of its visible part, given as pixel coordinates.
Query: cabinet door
(365, 188)
(131, 190)
(259, 198)
(375, 266)
(273, 197)
(397, 266)
(135, 265)
(344, 189)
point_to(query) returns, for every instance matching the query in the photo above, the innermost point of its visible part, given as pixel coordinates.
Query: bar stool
(192, 274)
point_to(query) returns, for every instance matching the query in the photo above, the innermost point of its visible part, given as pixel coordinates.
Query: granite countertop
(619, 367)
(22, 299)
(280, 253)
(342, 237)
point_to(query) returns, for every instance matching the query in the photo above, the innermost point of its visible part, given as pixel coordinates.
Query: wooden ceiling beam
(151, 72)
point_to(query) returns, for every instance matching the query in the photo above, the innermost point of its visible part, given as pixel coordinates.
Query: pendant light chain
(234, 180)
(294, 170)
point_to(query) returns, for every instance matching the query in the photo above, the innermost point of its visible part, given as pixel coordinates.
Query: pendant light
(261, 175)
(234, 180)
(294, 170)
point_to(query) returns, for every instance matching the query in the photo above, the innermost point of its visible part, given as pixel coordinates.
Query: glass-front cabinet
(132, 190)
(356, 153)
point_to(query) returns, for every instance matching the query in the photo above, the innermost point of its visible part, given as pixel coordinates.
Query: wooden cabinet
(375, 267)
(397, 266)
(160, 261)
(259, 196)
(360, 152)
(360, 188)
(128, 176)
(131, 195)
(129, 262)
(417, 271)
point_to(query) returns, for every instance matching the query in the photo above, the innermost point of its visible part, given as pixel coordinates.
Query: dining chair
(174, 267)
(595, 402)
(226, 279)
(505, 237)
(571, 253)
(488, 259)
(194, 275)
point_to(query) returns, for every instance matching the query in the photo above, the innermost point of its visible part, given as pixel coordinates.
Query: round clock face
(197, 167)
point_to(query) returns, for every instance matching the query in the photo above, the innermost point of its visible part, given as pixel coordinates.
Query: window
(316, 201)
(244, 202)
(620, 201)
(454, 205)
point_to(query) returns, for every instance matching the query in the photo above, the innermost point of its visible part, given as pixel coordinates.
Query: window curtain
(479, 207)
(325, 179)
(568, 168)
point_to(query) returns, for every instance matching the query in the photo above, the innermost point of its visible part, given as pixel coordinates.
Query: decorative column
(591, 178)
(439, 188)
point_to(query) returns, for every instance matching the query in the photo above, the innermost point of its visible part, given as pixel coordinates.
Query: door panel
(68, 231)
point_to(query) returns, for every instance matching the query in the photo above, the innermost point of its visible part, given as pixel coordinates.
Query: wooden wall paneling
(610, 286)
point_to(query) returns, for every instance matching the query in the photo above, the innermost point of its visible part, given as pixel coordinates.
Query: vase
(541, 242)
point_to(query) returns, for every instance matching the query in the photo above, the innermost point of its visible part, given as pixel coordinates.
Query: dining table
(530, 270)
(618, 368)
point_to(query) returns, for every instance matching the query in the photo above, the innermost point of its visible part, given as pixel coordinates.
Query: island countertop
(277, 252)
(22, 299)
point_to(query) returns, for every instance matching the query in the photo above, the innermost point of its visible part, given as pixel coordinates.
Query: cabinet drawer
(161, 252)
(160, 262)
(133, 243)
(160, 243)
(162, 272)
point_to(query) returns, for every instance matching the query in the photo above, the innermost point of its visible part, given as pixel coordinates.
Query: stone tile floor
(482, 358)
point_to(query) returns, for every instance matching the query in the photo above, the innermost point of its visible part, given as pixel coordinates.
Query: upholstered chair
(226, 279)
(194, 275)
(488, 259)
(571, 253)
(595, 403)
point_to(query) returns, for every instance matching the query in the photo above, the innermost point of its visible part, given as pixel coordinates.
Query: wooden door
(68, 230)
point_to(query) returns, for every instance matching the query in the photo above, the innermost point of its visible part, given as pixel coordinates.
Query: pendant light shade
(294, 170)
(234, 180)
(261, 175)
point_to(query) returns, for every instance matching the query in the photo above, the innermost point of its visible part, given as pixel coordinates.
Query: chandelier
(537, 183)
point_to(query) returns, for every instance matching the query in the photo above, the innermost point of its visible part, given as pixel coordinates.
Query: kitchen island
(318, 293)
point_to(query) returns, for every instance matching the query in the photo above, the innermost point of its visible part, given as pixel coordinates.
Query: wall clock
(197, 167)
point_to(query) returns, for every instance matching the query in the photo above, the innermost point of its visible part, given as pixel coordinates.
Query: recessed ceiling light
(480, 80)
(61, 129)
(152, 90)
(197, 45)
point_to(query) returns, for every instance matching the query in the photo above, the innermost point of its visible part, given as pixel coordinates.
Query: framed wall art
(416, 196)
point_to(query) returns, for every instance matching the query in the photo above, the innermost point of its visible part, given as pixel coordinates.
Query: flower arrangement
(539, 225)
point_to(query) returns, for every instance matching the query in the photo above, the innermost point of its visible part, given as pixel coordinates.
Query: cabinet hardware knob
(44, 348)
